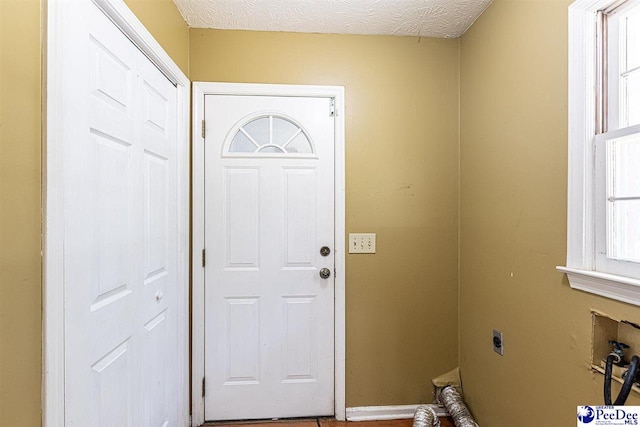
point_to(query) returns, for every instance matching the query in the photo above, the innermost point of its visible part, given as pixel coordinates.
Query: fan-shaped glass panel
(299, 144)
(259, 130)
(242, 144)
(271, 149)
(270, 135)
(283, 130)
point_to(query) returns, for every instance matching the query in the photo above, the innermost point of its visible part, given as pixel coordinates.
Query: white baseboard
(397, 412)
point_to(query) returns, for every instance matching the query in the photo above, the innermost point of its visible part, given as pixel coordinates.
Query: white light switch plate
(362, 243)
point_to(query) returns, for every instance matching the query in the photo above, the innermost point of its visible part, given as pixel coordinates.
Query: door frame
(53, 116)
(200, 89)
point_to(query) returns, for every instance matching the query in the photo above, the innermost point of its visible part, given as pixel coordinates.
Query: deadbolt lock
(325, 251)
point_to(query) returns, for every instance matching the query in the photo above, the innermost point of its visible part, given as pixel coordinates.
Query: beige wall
(20, 192)
(401, 180)
(163, 20)
(513, 224)
(20, 267)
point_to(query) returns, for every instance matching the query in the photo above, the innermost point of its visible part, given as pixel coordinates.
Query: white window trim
(581, 210)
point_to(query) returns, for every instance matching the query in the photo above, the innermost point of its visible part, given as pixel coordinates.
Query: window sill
(619, 288)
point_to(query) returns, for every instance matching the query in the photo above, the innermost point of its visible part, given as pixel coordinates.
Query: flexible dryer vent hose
(425, 417)
(457, 408)
(629, 379)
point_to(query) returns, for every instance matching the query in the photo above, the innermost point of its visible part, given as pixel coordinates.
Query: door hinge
(204, 129)
(332, 107)
(204, 257)
(203, 389)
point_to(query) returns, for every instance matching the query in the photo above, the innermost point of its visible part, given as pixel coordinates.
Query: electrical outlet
(498, 344)
(362, 243)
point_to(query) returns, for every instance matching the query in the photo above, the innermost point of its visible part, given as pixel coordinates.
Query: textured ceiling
(426, 18)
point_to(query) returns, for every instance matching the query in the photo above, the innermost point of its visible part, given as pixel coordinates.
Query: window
(617, 142)
(269, 135)
(603, 239)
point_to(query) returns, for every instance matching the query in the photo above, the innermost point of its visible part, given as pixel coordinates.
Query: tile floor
(325, 422)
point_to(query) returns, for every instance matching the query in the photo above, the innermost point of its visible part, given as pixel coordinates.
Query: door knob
(325, 273)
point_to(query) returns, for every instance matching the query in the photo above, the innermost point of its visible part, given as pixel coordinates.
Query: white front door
(120, 223)
(269, 210)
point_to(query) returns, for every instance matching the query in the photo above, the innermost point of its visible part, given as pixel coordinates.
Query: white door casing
(271, 320)
(116, 241)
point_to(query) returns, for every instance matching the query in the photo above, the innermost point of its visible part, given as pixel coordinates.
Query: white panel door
(269, 209)
(121, 247)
